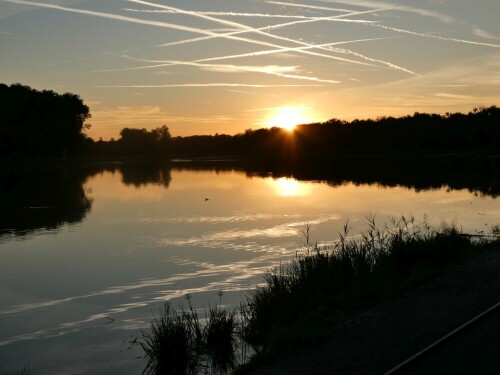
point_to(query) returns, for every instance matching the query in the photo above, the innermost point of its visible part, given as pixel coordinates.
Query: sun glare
(288, 187)
(287, 118)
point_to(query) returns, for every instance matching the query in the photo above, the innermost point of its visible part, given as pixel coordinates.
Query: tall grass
(302, 300)
(174, 343)
(178, 344)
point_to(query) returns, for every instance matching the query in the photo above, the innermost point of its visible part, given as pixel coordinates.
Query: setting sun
(287, 118)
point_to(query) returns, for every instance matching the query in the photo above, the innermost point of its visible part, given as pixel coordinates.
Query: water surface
(88, 254)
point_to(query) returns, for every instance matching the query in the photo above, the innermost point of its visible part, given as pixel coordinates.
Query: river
(89, 254)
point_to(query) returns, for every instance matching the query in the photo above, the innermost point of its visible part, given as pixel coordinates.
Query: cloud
(409, 32)
(484, 34)
(280, 71)
(12, 10)
(251, 93)
(458, 86)
(310, 6)
(382, 4)
(212, 84)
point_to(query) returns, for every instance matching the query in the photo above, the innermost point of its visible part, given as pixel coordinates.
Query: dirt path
(375, 341)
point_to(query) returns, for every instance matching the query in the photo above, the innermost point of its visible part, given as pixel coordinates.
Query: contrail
(324, 45)
(251, 93)
(244, 27)
(338, 18)
(315, 19)
(381, 4)
(228, 14)
(205, 85)
(153, 23)
(310, 6)
(180, 27)
(113, 16)
(164, 63)
(435, 36)
(175, 26)
(389, 64)
(279, 71)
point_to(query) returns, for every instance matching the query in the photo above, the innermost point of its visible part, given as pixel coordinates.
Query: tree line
(44, 123)
(41, 123)
(421, 133)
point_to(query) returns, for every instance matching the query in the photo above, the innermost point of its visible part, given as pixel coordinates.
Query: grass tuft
(173, 345)
(178, 344)
(220, 340)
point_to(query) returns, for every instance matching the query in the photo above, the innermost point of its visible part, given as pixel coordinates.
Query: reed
(178, 343)
(220, 340)
(303, 299)
(173, 345)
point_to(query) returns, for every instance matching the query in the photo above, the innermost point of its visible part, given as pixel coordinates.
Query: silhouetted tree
(41, 123)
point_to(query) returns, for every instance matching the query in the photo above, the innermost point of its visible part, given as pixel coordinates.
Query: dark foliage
(41, 123)
(477, 132)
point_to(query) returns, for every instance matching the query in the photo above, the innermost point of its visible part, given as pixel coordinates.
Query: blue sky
(203, 67)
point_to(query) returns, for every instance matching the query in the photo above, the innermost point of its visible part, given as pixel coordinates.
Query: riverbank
(378, 339)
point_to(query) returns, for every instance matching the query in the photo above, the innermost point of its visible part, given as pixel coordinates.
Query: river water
(88, 255)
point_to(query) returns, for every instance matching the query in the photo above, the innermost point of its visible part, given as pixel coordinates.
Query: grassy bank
(302, 301)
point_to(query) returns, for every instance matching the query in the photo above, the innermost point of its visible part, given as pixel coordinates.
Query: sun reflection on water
(289, 187)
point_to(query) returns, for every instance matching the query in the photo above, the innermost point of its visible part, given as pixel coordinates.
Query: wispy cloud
(251, 93)
(112, 16)
(382, 4)
(310, 6)
(5, 33)
(280, 71)
(484, 34)
(217, 84)
(409, 32)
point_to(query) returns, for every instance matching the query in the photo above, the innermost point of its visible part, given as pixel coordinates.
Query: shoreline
(383, 336)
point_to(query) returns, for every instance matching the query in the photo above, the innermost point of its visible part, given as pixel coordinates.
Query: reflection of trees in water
(44, 198)
(145, 174)
(34, 199)
(478, 175)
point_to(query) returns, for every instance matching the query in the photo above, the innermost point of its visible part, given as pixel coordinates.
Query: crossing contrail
(241, 26)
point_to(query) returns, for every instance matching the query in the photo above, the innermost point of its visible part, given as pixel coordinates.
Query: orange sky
(218, 67)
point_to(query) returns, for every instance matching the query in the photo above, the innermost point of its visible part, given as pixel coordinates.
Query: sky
(219, 66)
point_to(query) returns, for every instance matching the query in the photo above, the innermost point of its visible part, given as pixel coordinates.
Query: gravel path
(375, 341)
